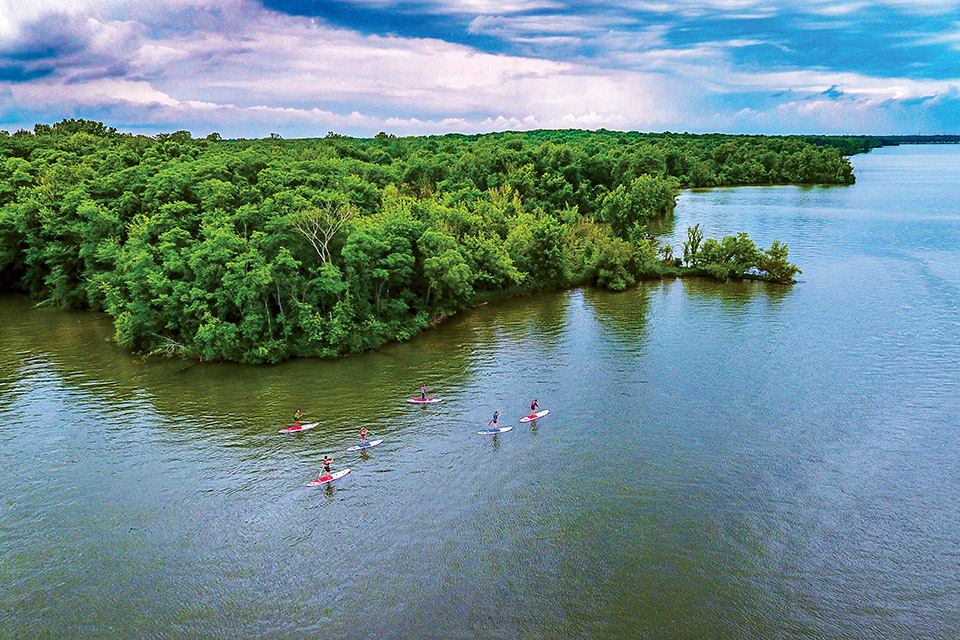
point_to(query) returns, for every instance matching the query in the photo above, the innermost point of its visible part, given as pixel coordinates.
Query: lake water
(721, 460)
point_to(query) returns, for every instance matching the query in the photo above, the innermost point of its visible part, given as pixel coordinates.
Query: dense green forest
(260, 250)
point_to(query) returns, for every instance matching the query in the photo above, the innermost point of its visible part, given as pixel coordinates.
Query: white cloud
(471, 7)
(242, 70)
(302, 72)
(852, 84)
(95, 92)
(770, 8)
(537, 24)
(921, 7)
(836, 9)
(950, 37)
(743, 9)
(14, 14)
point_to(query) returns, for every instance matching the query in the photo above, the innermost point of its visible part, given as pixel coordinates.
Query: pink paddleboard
(302, 427)
(535, 416)
(329, 478)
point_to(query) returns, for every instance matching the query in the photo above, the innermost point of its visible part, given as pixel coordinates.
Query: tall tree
(320, 225)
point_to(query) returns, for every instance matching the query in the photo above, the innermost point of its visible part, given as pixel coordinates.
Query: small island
(261, 250)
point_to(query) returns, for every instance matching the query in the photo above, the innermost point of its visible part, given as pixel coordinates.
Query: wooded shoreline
(261, 250)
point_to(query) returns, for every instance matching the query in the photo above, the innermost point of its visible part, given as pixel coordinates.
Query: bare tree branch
(319, 226)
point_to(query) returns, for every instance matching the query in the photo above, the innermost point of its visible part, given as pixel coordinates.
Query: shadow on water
(255, 399)
(735, 294)
(249, 398)
(664, 226)
(514, 321)
(623, 313)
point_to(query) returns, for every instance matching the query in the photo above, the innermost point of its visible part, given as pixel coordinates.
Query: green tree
(257, 250)
(729, 257)
(646, 197)
(691, 247)
(448, 275)
(774, 261)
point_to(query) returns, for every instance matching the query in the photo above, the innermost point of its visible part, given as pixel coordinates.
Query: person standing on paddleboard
(423, 393)
(363, 436)
(296, 418)
(496, 416)
(534, 407)
(326, 467)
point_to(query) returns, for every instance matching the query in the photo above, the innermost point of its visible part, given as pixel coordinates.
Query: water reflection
(735, 296)
(229, 396)
(528, 323)
(624, 313)
(664, 226)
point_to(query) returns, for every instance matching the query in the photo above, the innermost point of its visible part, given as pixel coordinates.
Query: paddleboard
(535, 416)
(329, 478)
(302, 427)
(422, 401)
(370, 443)
(491, 432)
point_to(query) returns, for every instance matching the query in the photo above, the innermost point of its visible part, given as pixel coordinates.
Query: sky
(251, 68)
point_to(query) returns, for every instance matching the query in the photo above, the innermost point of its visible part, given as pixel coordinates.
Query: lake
(721, 460)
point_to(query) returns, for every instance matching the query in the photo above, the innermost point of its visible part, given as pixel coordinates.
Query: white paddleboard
(492, 432)
(329, 478)
(535, 416)
(302, 427)
(370, 443)
(422, 401)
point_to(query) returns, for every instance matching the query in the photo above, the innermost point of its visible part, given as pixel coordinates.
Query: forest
(261, 250)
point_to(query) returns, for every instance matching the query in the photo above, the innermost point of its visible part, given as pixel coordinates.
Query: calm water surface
(721, 460)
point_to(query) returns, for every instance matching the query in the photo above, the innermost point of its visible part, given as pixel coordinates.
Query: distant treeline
(917, 139)
(259, 250)
(851, 145)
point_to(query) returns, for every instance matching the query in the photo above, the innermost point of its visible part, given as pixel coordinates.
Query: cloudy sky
(248, 68)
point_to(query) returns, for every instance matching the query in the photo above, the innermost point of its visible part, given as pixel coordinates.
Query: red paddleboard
(302, 427)
(422, 401)
(535, 416)
(330, 477)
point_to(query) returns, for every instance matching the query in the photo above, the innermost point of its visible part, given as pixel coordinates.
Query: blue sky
(248, 68)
